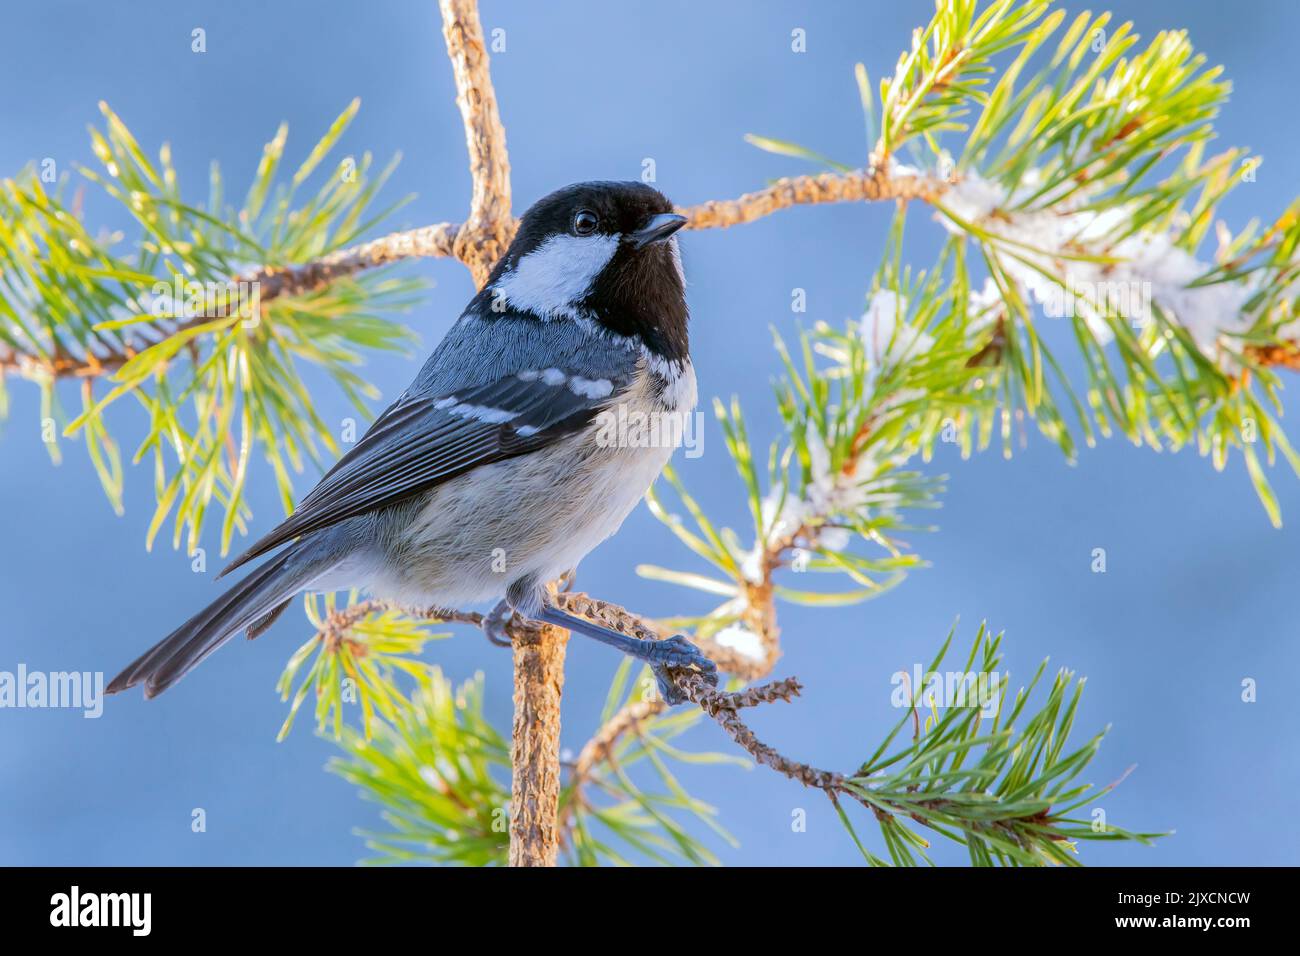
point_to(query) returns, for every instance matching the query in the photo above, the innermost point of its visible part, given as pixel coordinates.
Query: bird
(496, 471)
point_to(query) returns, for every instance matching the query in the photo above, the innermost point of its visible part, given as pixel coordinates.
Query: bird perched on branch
(492, 474)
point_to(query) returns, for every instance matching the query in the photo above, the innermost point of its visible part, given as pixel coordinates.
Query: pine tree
(1067, 164)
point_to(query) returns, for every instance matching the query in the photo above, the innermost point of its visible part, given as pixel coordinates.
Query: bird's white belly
(535, 516)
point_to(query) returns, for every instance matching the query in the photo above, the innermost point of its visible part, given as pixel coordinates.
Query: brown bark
(864, 185)
(535, 747)
(490, 227)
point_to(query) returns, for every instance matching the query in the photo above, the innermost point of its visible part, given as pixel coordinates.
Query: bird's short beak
(657, 229)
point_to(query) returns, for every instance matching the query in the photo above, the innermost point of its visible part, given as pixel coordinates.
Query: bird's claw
(495, 625)
(677, 653)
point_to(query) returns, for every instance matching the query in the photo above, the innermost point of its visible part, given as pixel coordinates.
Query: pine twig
(483, 239)
(862, 185)
(438, 240)
(484, 236)
(724, 708)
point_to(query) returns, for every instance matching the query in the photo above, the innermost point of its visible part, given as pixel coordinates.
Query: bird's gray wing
(423, 440)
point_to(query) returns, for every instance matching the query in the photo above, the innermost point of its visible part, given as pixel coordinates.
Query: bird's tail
(252, 604)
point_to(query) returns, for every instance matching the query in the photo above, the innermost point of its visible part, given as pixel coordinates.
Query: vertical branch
(488, 229)
(479, 243)
(535, 746)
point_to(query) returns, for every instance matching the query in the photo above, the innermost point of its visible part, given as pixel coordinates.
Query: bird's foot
(496, 621)
(664, 657)
(677, 653)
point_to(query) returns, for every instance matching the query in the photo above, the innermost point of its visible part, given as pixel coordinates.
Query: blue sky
(1199, 589)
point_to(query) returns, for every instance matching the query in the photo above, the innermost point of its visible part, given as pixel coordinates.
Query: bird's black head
(602, 251)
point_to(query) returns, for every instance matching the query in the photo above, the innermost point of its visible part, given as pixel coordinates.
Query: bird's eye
(585, 222)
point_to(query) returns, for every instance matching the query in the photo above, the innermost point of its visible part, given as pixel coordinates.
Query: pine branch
(438, 240)
(535, 750)
(957, 779)
(489, 228)
(434, 768)
(471, 245)
(873, 184)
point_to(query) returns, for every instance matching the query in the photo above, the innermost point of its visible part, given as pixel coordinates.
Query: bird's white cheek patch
(558, 273)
